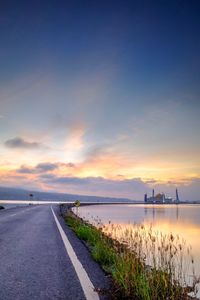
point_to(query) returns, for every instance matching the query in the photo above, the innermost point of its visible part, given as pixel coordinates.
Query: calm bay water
(182, 220)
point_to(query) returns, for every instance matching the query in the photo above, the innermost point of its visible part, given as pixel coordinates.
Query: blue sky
(111, 87)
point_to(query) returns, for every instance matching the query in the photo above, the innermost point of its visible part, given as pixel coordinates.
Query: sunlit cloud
(88, 114)
(63, 178)
(75, 138)
(74, 142)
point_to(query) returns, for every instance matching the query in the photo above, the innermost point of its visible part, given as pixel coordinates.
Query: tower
(153, 193)
(145, 197)
(177, 197)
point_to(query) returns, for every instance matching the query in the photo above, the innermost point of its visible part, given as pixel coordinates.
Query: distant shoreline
(88, 203)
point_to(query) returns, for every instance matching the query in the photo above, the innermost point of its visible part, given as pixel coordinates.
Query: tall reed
(162, 264)
(144, 264)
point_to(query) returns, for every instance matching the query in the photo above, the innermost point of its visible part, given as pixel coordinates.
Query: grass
(126, 257)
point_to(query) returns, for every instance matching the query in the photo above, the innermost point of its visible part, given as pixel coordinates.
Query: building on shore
(161, 198)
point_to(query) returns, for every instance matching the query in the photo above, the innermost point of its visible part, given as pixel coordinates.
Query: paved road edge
(87, 285)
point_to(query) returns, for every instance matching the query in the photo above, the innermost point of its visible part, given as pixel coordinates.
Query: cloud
(47, 167)
(189, 188)
(62, 177)
(71, 180)
(70, 165)
(150, 181)
(20, 143)
(130, 188)
(103, 160)
(75, 138)
(134, 188)
(26, 170)
(44, 167)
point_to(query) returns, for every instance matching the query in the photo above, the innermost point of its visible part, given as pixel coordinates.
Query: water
(182, 220)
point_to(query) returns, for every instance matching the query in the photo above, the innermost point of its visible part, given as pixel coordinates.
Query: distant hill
(21, 194)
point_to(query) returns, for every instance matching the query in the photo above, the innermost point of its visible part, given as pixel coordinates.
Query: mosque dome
(159, 196)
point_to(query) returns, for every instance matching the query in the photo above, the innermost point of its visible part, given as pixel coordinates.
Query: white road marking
(87, 286)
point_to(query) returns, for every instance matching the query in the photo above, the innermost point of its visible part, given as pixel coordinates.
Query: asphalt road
(34, 263)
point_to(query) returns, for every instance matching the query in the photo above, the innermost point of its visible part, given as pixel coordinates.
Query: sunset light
(115, 104)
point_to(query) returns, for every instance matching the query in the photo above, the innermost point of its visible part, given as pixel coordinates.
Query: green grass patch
(132, 279)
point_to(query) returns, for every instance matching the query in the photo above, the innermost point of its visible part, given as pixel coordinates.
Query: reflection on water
(181, 220)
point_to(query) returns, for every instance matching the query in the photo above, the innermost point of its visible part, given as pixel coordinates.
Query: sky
(100, 97)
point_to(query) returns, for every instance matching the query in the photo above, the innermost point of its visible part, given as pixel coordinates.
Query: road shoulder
(97, 276)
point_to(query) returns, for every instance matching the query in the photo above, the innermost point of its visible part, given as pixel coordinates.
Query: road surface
(34, 262)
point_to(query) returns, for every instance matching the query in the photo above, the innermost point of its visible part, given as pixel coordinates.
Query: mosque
(161, 198)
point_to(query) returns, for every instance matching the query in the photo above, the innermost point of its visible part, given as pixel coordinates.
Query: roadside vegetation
(143, 265)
